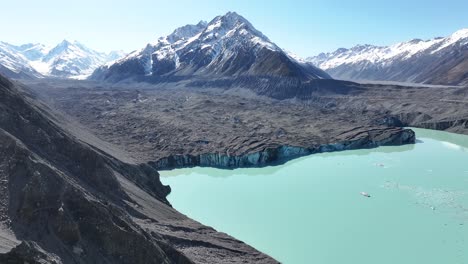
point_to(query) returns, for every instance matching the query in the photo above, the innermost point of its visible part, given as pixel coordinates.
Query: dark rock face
(451, 68)
(65, 201)
(278, 64)
(23, 74)
(58, 190)
(283, 88)
(162, 66)
(131, 68)
(28, 252)
(425, 121)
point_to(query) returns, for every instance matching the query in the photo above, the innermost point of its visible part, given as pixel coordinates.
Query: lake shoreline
(312, 197)
(284, 153)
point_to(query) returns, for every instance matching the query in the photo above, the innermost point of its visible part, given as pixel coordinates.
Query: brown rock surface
(63, 200)
(172, 126)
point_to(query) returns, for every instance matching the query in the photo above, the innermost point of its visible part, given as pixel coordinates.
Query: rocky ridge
(437, 61)
(65, 60)
(227, 46)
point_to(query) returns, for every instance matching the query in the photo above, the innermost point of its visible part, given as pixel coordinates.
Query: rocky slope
(66, 60)
(436, 61)
(65, 198)
(227, 46)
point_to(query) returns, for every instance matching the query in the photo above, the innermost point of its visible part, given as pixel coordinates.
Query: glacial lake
(310, 210)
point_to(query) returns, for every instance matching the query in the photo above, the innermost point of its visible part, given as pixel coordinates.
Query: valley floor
(99, 139)
(172, 125)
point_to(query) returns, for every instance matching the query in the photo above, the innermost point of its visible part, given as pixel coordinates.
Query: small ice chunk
(365, 194)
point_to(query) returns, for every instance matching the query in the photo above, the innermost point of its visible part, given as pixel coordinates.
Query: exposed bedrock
(29, 252)
(280, 154)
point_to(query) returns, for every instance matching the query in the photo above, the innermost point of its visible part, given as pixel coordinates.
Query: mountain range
(65, 60)
(79, 180)
(230, 47)
(436, 61)
(227, 46)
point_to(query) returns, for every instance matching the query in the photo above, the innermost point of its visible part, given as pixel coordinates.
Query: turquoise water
(310, 210)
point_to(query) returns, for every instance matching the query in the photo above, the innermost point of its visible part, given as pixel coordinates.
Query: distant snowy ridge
(66, 60)
(437, 61)
(14, 64)
(228, 45)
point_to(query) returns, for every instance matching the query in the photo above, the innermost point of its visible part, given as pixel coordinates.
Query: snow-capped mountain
(435, 61)
(13, 64)
(114, 55)
(32, 52)
(66, 60)
(227, 46)
(71, 59)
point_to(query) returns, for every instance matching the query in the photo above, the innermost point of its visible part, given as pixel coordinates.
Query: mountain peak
(186, 32)
(66, 59)
(65, 43)
(68, 43)
(233, 25)
(459, 35)
(202, 23)
(229, 20)
(462, 32)
(227, 46)
(233, 15)
(27, 46)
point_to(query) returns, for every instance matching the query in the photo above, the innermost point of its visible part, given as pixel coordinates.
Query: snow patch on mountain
(15, 62)
(66, 60)
(228, 45)
(459, 36)
(434, 61)
(386, 55)
(295, 57)
(203, 36)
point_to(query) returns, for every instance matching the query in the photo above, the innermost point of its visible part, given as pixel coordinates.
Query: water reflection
(456, 139)
(451, 201)
(220, 173)
(314, 206)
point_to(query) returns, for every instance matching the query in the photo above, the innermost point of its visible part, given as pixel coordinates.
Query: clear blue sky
(305, 27)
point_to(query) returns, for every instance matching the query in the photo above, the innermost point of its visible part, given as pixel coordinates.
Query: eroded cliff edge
(356, 139)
